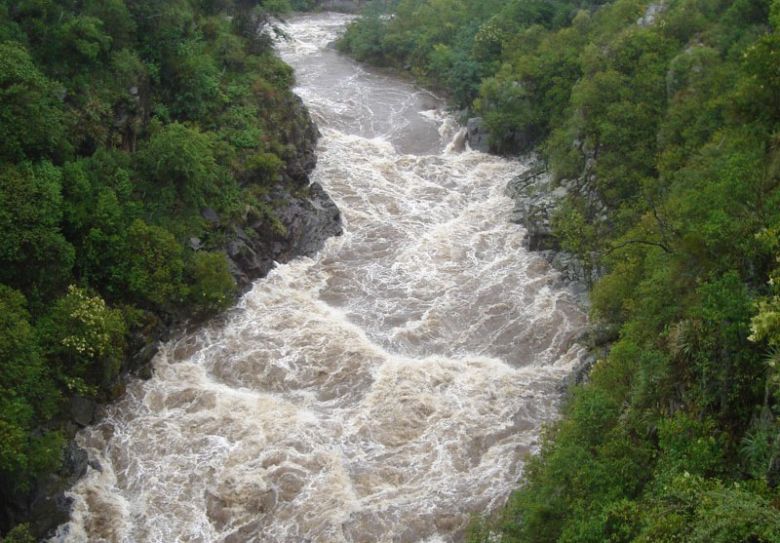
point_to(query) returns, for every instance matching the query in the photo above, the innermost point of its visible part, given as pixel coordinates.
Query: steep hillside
(658, 123)
(153, 162)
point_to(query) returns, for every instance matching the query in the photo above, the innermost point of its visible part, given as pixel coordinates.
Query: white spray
(383, 391)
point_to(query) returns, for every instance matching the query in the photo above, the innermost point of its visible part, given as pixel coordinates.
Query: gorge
(385, 389)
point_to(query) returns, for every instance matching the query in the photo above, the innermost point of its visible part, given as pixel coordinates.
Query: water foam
(382, 391)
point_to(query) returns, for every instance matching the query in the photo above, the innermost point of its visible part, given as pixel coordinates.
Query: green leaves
(212, 287)
(84, 338)
(180, 171)
(664, 133)
(121, 122)
(30, 237)
(32, 116)
(28, 395)
(155, 266)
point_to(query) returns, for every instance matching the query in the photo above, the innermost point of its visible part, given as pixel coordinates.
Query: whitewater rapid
(383, 391)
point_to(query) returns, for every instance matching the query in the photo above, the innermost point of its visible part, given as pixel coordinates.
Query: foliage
(84, 338)
(32, 116)
(30, 236)
(155, 266)
(28, 395)
(212, 285)
(663, 129)
(123, 124)
(180, 170)
(20, 534)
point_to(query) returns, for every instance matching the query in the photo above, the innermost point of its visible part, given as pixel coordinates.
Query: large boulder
(519, 140)
(477, 135)
(83, 410)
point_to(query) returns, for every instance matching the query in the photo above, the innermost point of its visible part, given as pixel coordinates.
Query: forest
(133, 135)
(664, 117)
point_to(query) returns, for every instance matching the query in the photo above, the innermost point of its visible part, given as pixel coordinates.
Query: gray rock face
(301, 135)
(49, 505)
(82, 410)
(305, 212)
(535, 203)
(477, 135)
(308, 221)
(519, 140)
(210, 215)
(651, 14)
(536, 199)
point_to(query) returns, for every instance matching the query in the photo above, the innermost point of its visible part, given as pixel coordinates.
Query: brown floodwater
(382, 391)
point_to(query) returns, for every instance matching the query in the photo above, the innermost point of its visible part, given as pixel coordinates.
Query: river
(383, 391)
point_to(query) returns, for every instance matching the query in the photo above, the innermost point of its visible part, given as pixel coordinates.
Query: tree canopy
(662, 120)
(123, 125)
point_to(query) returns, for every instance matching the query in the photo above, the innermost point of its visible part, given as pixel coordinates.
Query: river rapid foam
(382, 391)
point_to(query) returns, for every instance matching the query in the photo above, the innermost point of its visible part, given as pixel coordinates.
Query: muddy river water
(383, 391)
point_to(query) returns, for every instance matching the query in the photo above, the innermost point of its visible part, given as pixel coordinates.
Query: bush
(211, 287)
(155, 267)
(86, 338)
(32, 117)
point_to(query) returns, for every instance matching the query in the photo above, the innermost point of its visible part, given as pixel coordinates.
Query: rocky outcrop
(519, 140)
(535, 203)
(305, 221)
(299, 216)
(651, 14)
(302, 214)
(302, 218)
(477, 135)
(49, 504)
(537, 198)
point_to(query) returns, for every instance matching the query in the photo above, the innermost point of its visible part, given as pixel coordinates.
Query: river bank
(304, 218)
(390, 386)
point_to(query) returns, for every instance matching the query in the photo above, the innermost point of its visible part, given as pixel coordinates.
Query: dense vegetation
(666, 117)
(133, 133)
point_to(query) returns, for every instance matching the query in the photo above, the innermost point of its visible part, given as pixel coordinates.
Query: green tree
(154, 267)
(28, 396)
(32, 119)
(180, 171)
(85, 339)
(212, 288)
(35, 256)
